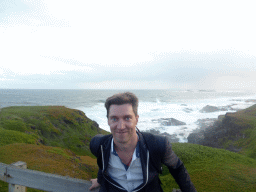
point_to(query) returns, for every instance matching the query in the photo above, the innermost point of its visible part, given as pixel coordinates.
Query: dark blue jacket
(150, 161)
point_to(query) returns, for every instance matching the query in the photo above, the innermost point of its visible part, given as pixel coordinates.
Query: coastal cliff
(234, 131)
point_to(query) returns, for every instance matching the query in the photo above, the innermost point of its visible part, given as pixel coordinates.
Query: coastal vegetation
(213, 169)
(55, 139)
(234, 132)
(52, 139)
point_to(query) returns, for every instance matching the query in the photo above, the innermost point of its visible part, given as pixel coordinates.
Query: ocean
(156, 107)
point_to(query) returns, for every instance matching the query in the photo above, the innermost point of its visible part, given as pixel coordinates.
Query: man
(127, 158)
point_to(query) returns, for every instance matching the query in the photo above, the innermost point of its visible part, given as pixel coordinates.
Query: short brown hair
(123, 98)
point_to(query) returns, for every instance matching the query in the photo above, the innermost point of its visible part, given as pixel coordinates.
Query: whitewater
(184, 110)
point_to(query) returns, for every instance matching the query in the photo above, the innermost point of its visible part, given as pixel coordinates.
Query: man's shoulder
(154, 142)
(149, 137)
(156, 145)
(98, 140)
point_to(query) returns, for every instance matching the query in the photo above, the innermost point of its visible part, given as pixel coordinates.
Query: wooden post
(18, 188)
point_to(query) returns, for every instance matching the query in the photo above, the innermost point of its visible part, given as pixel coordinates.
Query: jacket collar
(144, 155)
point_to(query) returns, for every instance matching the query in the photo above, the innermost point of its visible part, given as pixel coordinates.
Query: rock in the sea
(209, 109)
(188, 110)
(170, 122)
(250, 100)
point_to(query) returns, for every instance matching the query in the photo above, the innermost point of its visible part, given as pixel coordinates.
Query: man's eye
(114, 119)
(127, 118)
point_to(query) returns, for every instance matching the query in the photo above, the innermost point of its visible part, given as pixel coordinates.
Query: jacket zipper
(104, 168)
(147, 172)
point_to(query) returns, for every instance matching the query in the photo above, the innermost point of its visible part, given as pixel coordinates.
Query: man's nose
(121, 124)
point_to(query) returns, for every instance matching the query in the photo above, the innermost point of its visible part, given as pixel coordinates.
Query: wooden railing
(19, 178)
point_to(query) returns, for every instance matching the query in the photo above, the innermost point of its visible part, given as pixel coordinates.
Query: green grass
(50, 160)
(245, 123)
(248, 144)
(52, 139)
(56, 126)
(213, 169)
(10, 137)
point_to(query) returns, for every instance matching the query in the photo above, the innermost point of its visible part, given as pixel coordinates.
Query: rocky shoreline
(206, 127)
(225, 131)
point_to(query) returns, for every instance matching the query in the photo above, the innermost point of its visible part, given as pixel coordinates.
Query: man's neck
(127, 147)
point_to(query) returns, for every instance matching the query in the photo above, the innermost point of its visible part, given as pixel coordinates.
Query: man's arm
(100, 176)
(177, 169)
(94, 147)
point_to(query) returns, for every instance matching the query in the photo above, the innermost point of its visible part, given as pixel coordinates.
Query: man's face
(122, 122)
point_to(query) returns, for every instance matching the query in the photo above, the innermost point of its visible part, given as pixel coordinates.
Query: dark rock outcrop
(204, 123)
(195, 137)
(169, 122)
(219, 132)
(250, 100)
(95, 125)
(188, 110)
(211, 109)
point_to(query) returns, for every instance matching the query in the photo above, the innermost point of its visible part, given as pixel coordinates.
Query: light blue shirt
(128, 177)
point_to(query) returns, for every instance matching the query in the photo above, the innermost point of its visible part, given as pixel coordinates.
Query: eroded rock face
(211, 132)
(96, 125)
(195, 137)
(211, 109)
(204, 123)
(169, 122)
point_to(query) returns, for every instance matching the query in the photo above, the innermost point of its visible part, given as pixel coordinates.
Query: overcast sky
(82, 44)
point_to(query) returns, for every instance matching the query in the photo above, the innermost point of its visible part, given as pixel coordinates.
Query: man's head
(123, 98)
(122, 117)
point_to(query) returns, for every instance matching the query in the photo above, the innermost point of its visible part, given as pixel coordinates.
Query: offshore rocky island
(221, 156)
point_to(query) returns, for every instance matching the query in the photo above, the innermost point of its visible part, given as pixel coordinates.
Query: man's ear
(108, 121)
(137, 118)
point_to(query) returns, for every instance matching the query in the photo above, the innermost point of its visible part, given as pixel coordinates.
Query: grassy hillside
(56, 126)
(245, 138)
(213, 169)
(52, 139)
(234, 131)
(48, 159)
